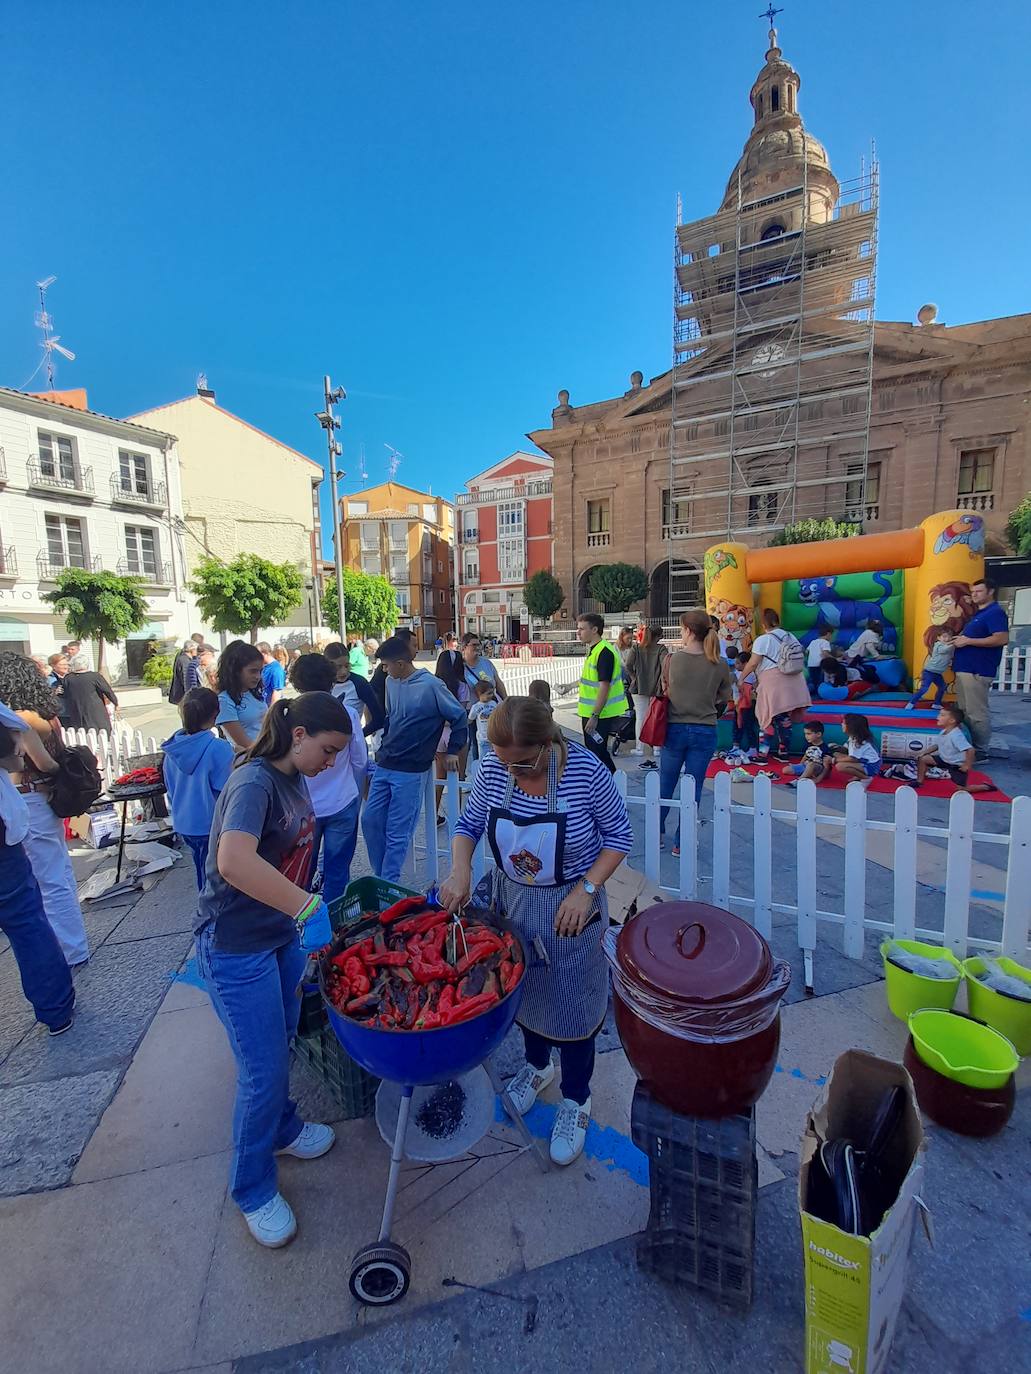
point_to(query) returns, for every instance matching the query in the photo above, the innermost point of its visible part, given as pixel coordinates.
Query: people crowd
(284, 757)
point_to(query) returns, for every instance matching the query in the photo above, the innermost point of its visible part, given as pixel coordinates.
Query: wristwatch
(589, 887)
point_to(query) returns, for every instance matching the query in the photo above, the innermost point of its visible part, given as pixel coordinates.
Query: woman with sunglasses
(558, 830)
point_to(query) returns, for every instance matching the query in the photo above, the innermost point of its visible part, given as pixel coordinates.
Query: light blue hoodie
(196, 768)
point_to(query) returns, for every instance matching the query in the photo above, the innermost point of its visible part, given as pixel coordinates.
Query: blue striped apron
(566, 980)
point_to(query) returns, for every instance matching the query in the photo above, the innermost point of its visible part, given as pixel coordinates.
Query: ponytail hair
(857, 727)
(315, 712)
(699, 626)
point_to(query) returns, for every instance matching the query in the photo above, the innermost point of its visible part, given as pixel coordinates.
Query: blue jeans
(255, 998)
(778, 735)
(198, 847)
(746, 732)
(688, 749)
(338, 835)
(45, 977)
(389, 820)
(927, 681)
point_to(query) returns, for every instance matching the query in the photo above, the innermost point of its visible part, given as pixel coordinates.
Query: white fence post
(1016, 918)
(720, 837)
(905, 863)
(855, 869)
(688, 848)
(430, 823)
(651, 825)
(762, 843)
(805, 841)
(957, 872)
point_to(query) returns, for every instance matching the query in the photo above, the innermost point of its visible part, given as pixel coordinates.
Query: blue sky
(454, 208)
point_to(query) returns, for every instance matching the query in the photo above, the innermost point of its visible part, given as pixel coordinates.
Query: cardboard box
(103, 828)
(854, 1285)
(899, 746)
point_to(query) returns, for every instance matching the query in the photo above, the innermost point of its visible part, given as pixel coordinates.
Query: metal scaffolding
(773, 361)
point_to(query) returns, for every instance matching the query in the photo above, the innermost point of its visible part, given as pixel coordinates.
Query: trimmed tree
(618, 585)
(1018, 528)
(99, 605)
(370, 606)
(247, 593)
(543, 596)
(816, 531)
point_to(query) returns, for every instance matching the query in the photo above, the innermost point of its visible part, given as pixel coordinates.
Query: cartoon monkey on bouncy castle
(951, 606)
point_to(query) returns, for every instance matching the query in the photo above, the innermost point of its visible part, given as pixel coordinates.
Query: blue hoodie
(196, 768)
(418, 708)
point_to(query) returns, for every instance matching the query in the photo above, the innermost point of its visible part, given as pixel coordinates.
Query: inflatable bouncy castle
(915, 583)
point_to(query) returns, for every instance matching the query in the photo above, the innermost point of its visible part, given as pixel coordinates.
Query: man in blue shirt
(976, 661)
(273, 675)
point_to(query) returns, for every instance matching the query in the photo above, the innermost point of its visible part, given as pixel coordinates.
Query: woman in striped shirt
(558, 830)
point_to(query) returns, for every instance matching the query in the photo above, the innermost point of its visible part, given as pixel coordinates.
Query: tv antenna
(361, 464)
(51, 342)
(395, 462)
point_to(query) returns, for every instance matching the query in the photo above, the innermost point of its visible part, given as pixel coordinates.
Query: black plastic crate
(312, 1016)
(720, 1152)
(724, 1217)
(682, 1259)
(353, 1089)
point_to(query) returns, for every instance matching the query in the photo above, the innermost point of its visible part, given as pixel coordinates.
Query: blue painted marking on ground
(797, 1073)
(189, 973)
(604, 1144)
(1025, 1316)
(985, 896)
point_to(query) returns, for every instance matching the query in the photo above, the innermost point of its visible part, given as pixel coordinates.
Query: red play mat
(932, 787)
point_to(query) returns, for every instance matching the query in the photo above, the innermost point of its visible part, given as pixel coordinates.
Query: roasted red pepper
(419, 925)
(476, 953)
(389, 958)
(465, 1011)
(402, 908)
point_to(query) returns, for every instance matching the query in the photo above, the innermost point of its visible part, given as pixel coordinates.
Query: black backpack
(77, 783)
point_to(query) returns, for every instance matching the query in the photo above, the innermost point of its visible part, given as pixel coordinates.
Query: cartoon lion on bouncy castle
(951, 606)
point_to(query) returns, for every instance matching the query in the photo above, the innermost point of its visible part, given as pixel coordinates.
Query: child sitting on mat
(817, 761)
(951, 751)
(859, 760)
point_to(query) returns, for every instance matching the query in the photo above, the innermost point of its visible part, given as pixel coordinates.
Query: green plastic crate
(352, 1088)
(365, 894)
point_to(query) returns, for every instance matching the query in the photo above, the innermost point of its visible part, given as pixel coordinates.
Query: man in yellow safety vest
(603, 699)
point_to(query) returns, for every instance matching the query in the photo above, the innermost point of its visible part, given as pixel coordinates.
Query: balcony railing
(981, 500)
(676, 531)
(470, 579)
(475, 498)
(863, 515)
(47, 570)
(157, 575)
(599, 541)
(8, 561)
(154, 495)
(80, 483)
(470, 536)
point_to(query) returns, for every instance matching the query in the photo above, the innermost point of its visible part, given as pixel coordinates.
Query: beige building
(937, 417)
(407, 536)
(243, 491)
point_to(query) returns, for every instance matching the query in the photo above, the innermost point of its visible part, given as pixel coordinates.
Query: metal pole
(330, 424)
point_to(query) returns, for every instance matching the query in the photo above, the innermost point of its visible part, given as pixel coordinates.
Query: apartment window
(429, 512)
(57, 456)
(976, 471)
(403, 601)
(66, 542)
(399, 534)
(440, 565)
(510, 518)
(141, 550)
(357, 507)
(413, 509)
(598, 517)
(873, 484)
(398, 569)
(371, 564)
(511, 561)
(674, 512)
(762, 507)
(369, 538)
(441, 598)
(133, 473)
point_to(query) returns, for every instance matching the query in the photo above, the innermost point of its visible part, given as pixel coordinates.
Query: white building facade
(80, 489)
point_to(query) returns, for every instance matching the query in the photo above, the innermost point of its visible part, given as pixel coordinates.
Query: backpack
(790, 654)
(77, 783)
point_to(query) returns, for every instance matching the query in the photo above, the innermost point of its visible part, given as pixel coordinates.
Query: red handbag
(653, 731)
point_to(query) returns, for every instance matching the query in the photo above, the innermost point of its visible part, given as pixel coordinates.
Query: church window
(775, 99)
(759, 106)
(772, 231)
(791, 99)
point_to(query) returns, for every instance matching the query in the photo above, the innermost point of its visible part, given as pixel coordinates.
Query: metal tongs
(454, 930)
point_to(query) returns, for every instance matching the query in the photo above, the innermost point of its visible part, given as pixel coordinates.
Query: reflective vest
(589, 683)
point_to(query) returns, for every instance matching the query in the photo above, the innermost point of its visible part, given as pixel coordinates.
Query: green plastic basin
(962, 1049)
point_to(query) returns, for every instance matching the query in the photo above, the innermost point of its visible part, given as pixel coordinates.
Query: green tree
(370, 606)
(99, 605)
(815, 531)
(1018, 528)
(618, 585)
(248, 592)
(543, 595)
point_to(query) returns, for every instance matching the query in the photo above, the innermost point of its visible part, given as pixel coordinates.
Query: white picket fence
(557, 672)
(1014, 673)
(114, 751)
(754, 899)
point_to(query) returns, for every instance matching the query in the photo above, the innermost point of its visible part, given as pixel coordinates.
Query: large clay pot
(690, 967)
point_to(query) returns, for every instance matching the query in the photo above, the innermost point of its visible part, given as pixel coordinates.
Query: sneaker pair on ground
(274, 1224)
(570, 1130)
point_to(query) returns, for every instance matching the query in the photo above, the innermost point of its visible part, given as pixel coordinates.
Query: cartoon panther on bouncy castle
(842, 612)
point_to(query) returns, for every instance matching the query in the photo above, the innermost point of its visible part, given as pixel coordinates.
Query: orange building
(406, 536)
(504, 537)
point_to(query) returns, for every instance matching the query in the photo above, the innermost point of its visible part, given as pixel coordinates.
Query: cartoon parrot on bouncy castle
(968, 529)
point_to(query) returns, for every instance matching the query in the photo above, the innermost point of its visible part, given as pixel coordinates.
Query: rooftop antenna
(680, 210)
(361, 464)
(395, 462)
(51, 342)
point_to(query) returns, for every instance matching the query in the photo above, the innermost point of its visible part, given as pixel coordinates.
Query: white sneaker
(313, 1141)
(527, 1083)
(274, 1224)
(570, 1131)
(908, 706)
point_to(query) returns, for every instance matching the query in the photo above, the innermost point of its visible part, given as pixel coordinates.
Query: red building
(504, 536)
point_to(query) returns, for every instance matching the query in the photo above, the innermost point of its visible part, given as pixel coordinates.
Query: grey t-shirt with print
(258, 800)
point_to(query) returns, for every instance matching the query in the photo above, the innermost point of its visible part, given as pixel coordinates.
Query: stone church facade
(949, 428)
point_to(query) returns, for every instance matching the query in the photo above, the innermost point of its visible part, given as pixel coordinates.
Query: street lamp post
(331, 423)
